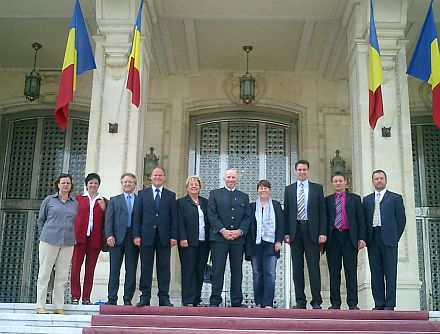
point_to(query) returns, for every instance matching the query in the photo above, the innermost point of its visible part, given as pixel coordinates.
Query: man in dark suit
(118, 231)
(229, 215)
(305, 228)
(385, 215)
(155, 231)
(346, 235)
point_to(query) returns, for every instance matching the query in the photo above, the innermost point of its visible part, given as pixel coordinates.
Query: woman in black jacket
(193, 240)
(263, 243)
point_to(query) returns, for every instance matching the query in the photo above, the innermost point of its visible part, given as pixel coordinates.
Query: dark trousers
(219, 254)
(129, 252)
(341, 250)
(163, 272)
(383, 267)
(193, 261)
(303, 245)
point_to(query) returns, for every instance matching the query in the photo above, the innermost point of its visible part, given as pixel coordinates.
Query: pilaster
(373, 151)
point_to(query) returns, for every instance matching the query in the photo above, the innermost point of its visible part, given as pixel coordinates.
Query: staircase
(208, 320)
(20, 318)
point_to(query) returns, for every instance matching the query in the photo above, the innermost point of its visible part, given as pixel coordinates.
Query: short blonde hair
(193, 178)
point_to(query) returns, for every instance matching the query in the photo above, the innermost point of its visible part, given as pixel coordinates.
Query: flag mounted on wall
(78, 58)
(134, 62)
(374, 75)
(425, 62)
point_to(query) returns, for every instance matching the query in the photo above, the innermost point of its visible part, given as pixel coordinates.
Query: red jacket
(82, 221)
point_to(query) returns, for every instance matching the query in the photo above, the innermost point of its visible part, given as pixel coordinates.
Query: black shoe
(87, 302)
(378, 308)
(353, 308)
(334, 307)
(111, 302)
(239, 305)
(316, 307)
(213, 305)
(298, 307)
(75, 301)
(143, 302)
(126, 302)
(388, 308)
(165, 302)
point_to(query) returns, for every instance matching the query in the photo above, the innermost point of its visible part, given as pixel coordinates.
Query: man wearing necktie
(119, 234)
(229, 215)
(155, 232)
(346, 235)
(386, 220)
(306, 228)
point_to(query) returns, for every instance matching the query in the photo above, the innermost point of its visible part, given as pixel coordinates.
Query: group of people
(152, 221)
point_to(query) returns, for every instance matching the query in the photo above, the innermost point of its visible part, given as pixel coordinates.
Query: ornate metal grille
(421, 252)
(431, 140)
(21, 159)
(237, 145)
(51, 157)
(209, 157)
(78, 152)
(13, 241)
(37, 140)
(434, 246)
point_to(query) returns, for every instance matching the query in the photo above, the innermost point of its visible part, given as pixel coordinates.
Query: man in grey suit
(386, 220)
(346, 235)
(119, 234)
(229, 216)
(306, 228)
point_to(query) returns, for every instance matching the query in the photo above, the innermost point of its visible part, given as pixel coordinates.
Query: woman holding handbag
(89, 225)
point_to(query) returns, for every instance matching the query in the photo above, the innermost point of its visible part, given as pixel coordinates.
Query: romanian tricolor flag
(425, 62)
(78, 58)
(374, 75)
(134, 62)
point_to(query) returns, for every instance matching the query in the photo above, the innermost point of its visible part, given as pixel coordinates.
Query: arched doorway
(33, 152)
(259, 146)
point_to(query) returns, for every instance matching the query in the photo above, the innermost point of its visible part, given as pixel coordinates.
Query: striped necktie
(301, 203)
(338, 218)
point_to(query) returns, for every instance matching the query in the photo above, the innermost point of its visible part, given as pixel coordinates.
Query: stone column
(373, 151)
(111, 152)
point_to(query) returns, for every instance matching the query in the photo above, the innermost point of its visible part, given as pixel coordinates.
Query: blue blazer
(146, 219)
(392, 214)
(116, 218)
(316, 213)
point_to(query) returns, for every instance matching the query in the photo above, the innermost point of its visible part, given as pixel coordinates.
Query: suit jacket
(316, 214)
(188, 217)
(392, 214)
(355, 217)
(229, 211)
(82, 221)
(116, 218)
(252, 233)
(146, 219)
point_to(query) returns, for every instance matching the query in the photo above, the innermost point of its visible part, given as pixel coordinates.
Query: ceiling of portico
(305, 37)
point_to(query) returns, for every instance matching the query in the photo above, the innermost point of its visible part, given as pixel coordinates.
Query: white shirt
(154, 191)
(381, 193)
(201, 223)
(92, 202)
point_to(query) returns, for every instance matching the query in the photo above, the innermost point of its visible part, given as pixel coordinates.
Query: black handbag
(207, 273)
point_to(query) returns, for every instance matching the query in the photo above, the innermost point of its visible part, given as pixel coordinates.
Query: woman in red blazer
(89, 224)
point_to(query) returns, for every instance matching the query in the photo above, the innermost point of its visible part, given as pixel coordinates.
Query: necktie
(376, 214)
(157, 200)
(338, 218)
(301, 203)
(129, 209)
